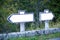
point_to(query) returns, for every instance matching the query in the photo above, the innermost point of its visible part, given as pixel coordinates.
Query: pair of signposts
(23, 17)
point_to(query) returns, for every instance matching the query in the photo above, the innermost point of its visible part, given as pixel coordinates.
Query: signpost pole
(21, 18)
(22, 27)
(22, 24)
(46, 21)
(46, 25)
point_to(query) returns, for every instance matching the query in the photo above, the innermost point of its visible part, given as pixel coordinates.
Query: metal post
(22, 24)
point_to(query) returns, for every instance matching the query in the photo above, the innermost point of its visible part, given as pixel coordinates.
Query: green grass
(42, 26)
(40, 37)
(51, 25)
(54, 25)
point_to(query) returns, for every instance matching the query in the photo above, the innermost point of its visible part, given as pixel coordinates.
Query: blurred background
(8, 7)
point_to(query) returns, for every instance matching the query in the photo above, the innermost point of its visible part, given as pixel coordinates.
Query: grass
(40, 37)
(42, 26)
(51, 25)
(55, 25)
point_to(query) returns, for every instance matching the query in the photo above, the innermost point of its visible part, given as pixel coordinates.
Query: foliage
(41, 37)
(8, 7)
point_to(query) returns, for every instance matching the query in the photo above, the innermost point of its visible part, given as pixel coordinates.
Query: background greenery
(8, 7)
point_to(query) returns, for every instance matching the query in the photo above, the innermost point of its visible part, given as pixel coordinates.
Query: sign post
(46, 25)
(46, 16)
(21, 18)
(22, 24)
(46, 21)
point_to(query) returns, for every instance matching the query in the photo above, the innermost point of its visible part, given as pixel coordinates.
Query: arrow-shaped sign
(21, 18)
(46, 16)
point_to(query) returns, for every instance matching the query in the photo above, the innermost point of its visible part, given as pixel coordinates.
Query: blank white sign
(45, 16)
(22, 18)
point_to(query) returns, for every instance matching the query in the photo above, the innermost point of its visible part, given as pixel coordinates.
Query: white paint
(22, 18)
(46, 16)
(22, 24)
(21, 12)
(46, 25)
(22, 27)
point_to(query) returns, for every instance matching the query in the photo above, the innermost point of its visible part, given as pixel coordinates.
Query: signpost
(22, 24)
(21, 18)
(46, 16)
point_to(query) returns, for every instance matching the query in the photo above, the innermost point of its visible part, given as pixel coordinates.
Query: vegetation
(8, 7)
(54, 25)
(40, 37)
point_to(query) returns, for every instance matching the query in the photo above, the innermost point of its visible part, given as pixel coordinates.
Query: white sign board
(45, 16)
(21, 18)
